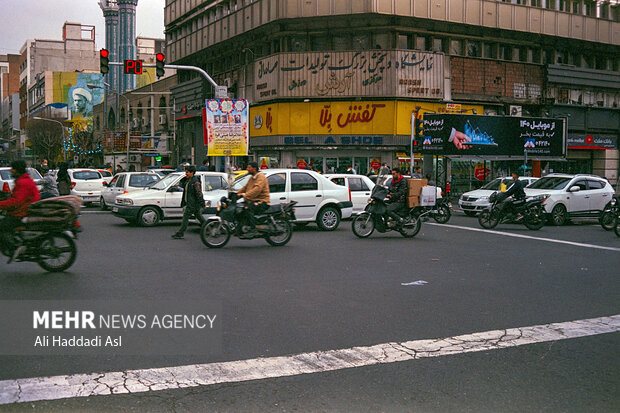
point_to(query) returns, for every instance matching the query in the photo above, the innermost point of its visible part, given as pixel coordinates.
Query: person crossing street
(192, 200)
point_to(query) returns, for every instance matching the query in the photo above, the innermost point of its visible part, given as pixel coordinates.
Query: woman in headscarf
(63, 180)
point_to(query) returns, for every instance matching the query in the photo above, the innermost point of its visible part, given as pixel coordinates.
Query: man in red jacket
(24, 193)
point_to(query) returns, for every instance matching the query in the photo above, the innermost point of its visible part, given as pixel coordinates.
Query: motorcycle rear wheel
(488, 219)
(214, 234)
(363, 225)
(411, 227)
(443, 214)
(607, 220)
(57, 252)
(283, 238)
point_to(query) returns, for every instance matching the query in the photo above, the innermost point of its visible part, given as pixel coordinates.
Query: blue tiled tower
(127, 39)
(110, 14)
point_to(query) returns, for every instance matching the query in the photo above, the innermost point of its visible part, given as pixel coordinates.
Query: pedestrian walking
(49, 187)
(192, 200)
(63, 181)
(385, 169)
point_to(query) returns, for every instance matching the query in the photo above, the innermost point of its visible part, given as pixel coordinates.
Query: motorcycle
(274, 225)
(531, 210)
(47, 241)
(441, 212)
(375, 217)
(607, 219)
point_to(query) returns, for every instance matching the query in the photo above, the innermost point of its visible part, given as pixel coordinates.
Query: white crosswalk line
(509, 234)
(144, 380)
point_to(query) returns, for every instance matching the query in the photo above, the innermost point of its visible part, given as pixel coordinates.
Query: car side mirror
(175, 189)
(574, 188)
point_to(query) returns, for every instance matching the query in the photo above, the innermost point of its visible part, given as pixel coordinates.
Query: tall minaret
(110, 14)
(127, 39)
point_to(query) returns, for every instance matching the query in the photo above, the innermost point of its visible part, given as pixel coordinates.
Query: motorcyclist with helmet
(397, 196)
(24, 193)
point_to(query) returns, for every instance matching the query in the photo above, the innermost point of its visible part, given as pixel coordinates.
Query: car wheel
(102, 204)
(328, 219)
(148, 217)
(470, 213)
(558, 215)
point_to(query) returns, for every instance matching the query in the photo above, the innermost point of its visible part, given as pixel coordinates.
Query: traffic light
(160, 61)
(419, 133)
(104, 60)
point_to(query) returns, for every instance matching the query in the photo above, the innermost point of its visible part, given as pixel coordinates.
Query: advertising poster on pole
(225, 124)
(449, 134)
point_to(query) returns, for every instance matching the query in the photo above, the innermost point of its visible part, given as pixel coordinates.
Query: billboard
(334, 74)
(473, 135)
(225, 124)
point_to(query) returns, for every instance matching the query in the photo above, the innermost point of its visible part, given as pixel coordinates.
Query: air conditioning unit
(134, 158)
(135, 122)
(162, 119)
(516, 110)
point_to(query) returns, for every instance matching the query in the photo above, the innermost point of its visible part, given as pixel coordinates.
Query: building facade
(300, 62)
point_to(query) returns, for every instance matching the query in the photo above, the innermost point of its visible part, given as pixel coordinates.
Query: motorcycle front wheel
(285, 230)
(57, 252)
(214, 234)
(488, 219)
(363, 225)
(607, 220)
(443, 214)
(535, 220)
(411, 227)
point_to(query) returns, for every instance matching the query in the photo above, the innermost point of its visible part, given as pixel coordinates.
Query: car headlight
(124, 201)
(483, 198)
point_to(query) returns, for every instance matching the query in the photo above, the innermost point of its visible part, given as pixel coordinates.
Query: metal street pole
(62, 128)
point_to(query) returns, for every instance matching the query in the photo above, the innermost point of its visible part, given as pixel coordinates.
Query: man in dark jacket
(192, 200)
(24, 193)
(518, 194)
(397, 195)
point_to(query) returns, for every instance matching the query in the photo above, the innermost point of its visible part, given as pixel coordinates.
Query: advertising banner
(475, 135)
(226, 127)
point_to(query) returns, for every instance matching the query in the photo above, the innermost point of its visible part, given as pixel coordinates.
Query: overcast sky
(43, 19)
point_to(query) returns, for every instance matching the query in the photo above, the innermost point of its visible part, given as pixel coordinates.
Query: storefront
(336, 135)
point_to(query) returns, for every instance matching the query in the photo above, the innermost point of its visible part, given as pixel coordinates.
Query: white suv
(572, 195)
(318, 199)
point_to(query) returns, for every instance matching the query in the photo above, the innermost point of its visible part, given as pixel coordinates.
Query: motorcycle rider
(24, 193)
(397, 196)
(518, 194)
(256, 196)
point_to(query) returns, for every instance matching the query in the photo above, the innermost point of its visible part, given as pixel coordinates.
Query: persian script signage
(396, 73)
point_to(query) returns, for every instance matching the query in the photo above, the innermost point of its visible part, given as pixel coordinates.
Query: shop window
(361, 42)
(301, 181)
(277, 182)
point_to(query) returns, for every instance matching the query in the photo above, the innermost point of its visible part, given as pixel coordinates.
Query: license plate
(115, 209)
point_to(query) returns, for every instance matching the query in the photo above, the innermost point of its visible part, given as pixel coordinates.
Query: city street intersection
(455, 319)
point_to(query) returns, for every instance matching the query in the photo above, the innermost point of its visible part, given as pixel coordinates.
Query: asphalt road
(329, 291)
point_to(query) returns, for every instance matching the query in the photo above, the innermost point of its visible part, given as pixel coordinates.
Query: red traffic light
(160, 57)
(104, 53)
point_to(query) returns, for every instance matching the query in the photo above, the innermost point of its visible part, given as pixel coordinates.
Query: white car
(318, 199)
(572, 195)
(473, 202)
(360, 186)
(107, 175)
(7, 182)
(162, 200)
(87, 184)
(124, 183)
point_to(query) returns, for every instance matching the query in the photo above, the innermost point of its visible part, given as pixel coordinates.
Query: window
(505, 52)
(356, 184)
(142, 181)
(298, 44)
(550, 182)
(341, 42)
(420, 43)
(595, 184)
(277, 182)
(456, 47)
(402, 41)
(474, 49)
(382, 41)
(490, 50)
(438, 44)
(339, 181)
(214, 182)
(120, 181)
(581, 184)
(360, 42)
(318, 43)
(86, 175)
(303, 182)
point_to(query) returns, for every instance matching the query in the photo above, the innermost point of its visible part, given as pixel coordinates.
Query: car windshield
(105, 173)
(239, 182)
(551, 182)
(86, 175)
(165, 182)
(494, 184)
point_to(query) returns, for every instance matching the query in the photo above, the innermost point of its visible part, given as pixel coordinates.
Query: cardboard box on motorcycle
(414, 189)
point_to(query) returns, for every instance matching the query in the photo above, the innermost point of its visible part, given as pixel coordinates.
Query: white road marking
(419, 282)
(509, 234)
(144, 380)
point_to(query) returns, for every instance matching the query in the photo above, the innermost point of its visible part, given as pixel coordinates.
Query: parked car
(87, 184)
(359, 185)
(473, 202)
(318, 199)
(162, 200)
(572, 195)
(7, 182)
(124, 183)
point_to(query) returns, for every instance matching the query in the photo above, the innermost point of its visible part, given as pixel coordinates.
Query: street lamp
(62, 127)
(95, 86)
